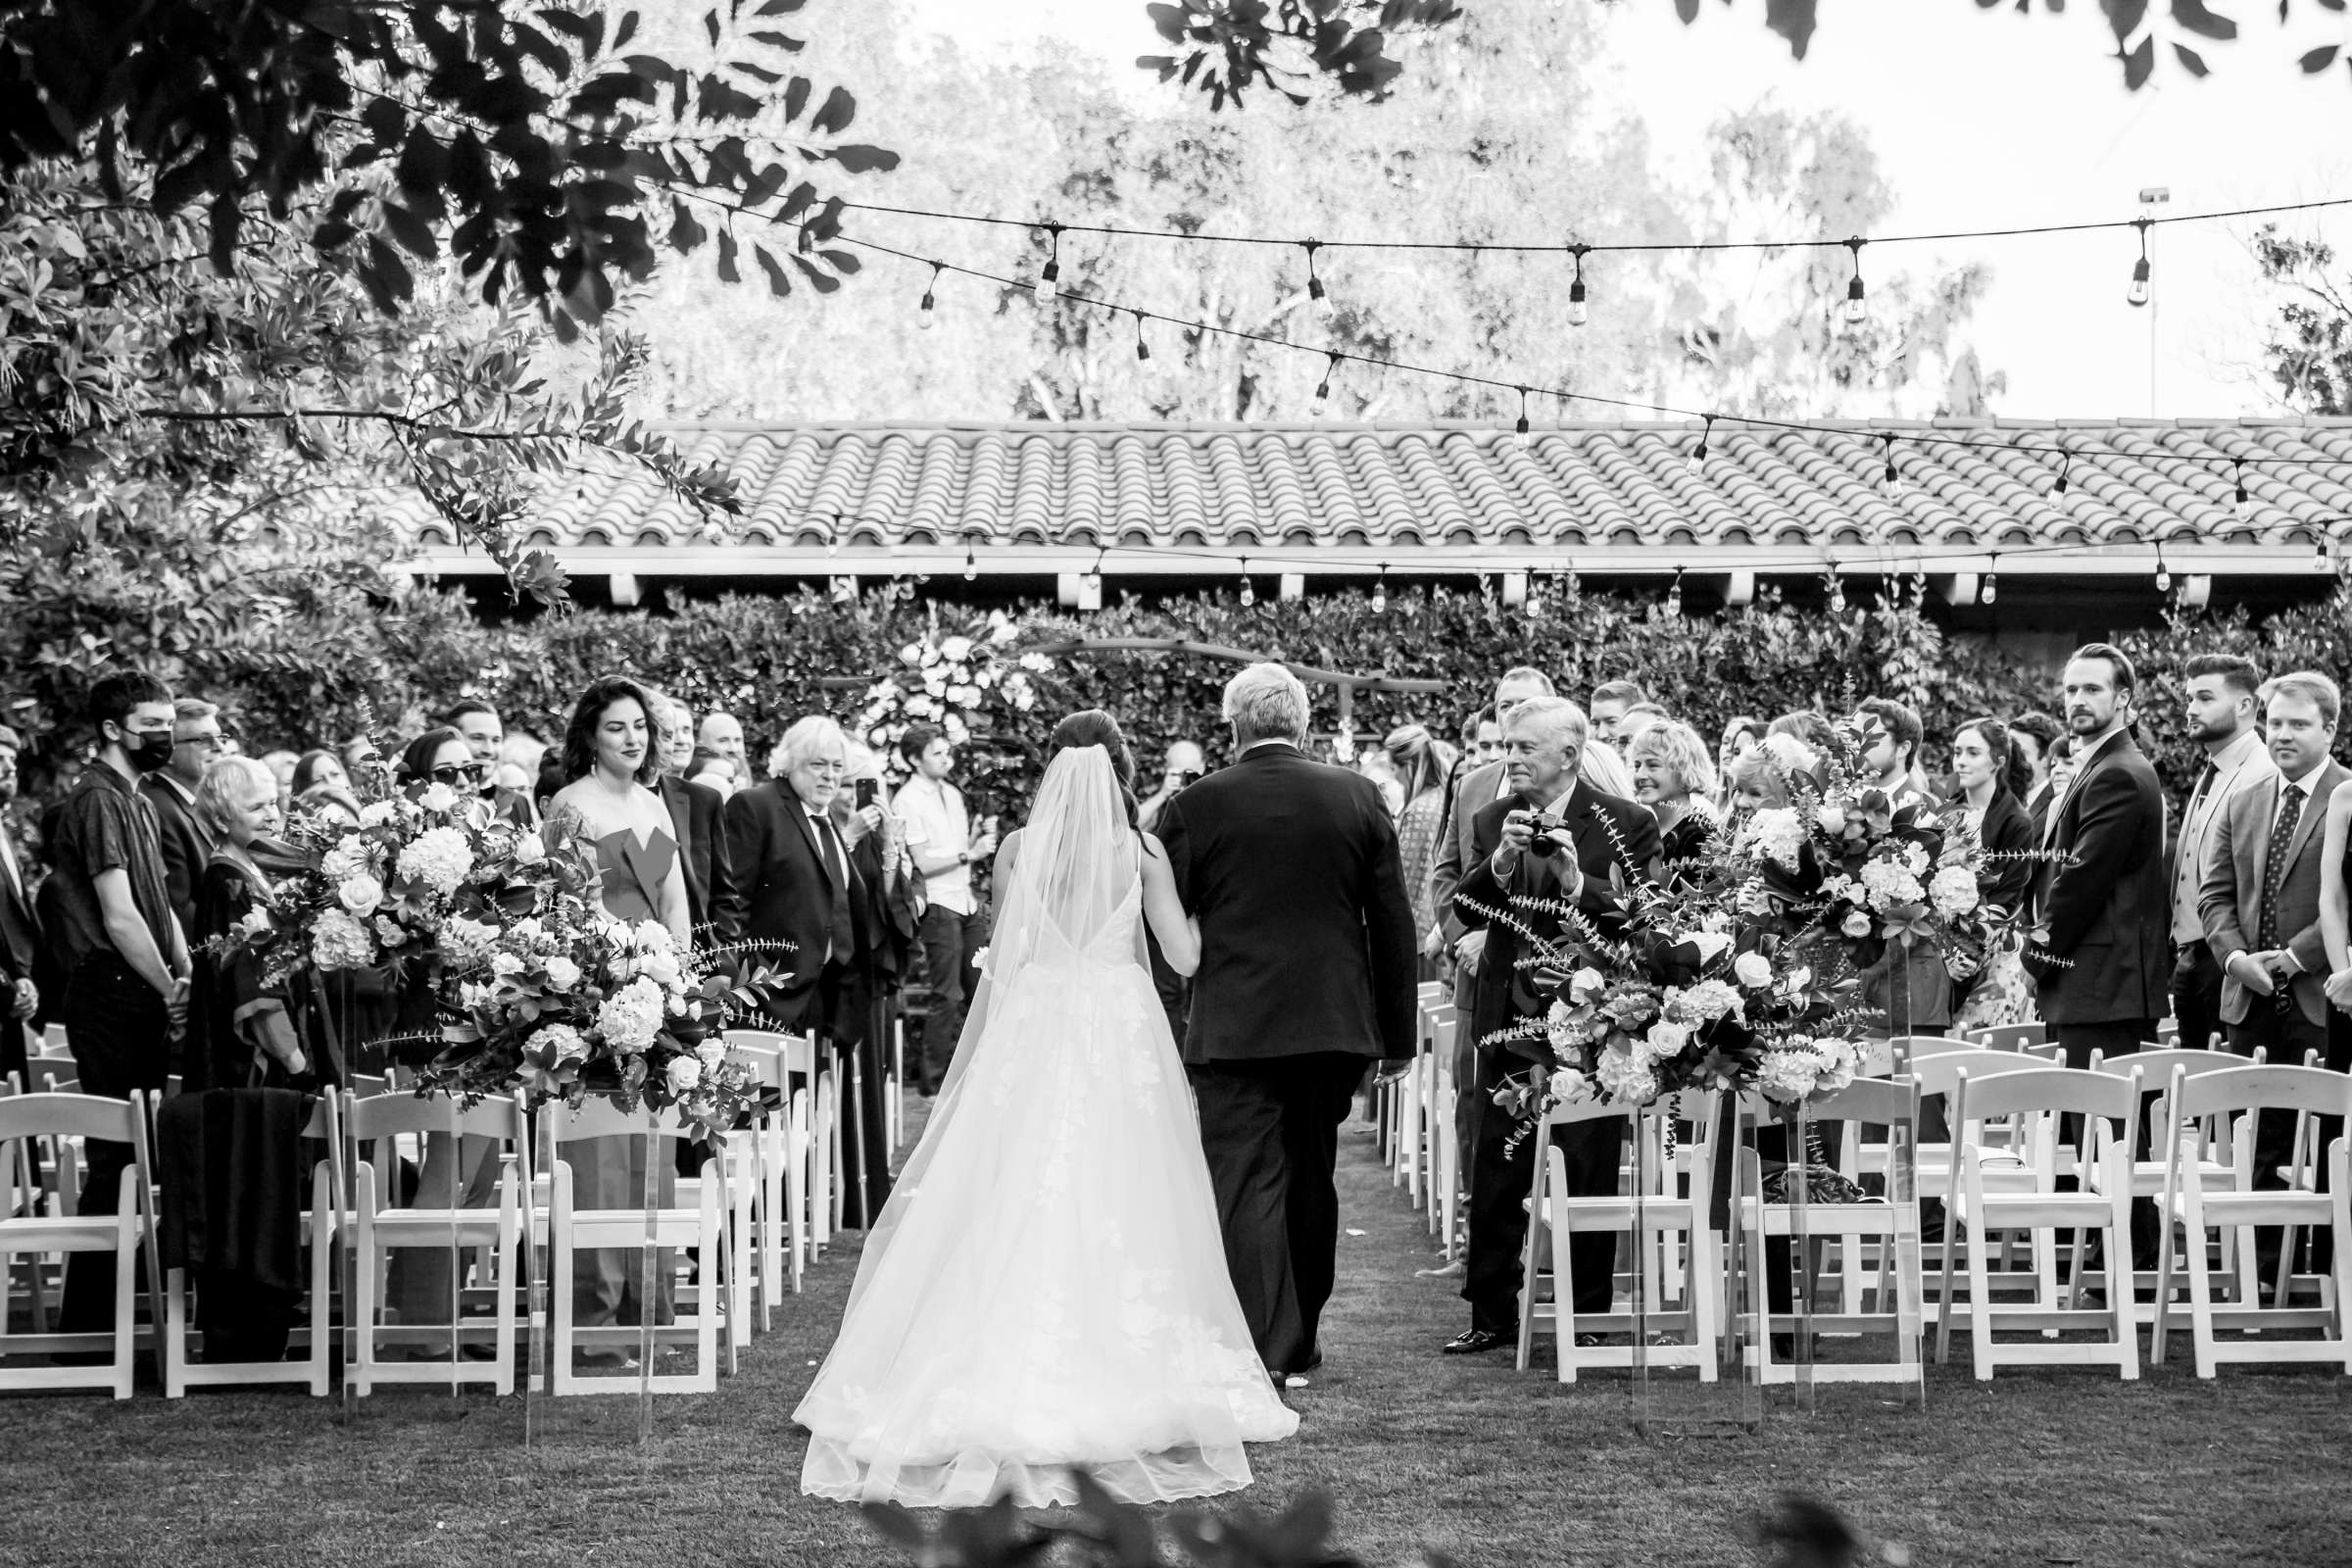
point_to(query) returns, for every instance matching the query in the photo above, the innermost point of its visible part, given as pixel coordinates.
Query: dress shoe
(1473, 1342)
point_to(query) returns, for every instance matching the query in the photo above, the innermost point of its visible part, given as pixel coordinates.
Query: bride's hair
(1091, 726)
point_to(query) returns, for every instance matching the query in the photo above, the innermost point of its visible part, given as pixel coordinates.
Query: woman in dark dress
(1993, 775)
(1674, 777)
(240, 1032)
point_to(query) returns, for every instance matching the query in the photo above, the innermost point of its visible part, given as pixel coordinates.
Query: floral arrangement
(1748, 970)
(945, 679)
(536, 985)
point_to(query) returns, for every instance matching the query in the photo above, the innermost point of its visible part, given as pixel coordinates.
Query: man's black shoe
(1472, 1342)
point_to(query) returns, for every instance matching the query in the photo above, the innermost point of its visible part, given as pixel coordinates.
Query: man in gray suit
(2261, 898)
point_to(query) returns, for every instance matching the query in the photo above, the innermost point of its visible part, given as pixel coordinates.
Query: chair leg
(1528, 1275)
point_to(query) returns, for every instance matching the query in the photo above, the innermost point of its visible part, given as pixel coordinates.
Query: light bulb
(1519, 436)
(1380, 592)
(2164, 580)
(1674, 593)
(1248, 594)
(2139, 282)
(1143, 349)
(928, 317)
(1578, 311)
(1048, 282)
(2242, 502)
(1991, 589)
(1857, 304)
(971, 567)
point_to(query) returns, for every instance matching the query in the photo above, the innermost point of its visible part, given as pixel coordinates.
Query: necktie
(843, 937)
(2274, 872)
(2196, 796)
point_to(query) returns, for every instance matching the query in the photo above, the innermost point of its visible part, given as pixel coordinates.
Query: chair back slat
(599, 1117)
(797, 1052)
(2311, 1089)
(1873, 1102)
(2156, 1062)
(70, 1116)
(2044, 1089)
(377, 1116)
(2008, 1036)
(1938, 1074)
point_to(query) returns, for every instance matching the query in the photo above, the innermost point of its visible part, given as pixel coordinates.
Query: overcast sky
(1981, 121)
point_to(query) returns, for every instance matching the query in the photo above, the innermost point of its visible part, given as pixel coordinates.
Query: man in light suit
(2224, 709)
(2261, 899)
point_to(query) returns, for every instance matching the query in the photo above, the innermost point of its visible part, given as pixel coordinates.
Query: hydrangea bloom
(557, 1044)
(1777, 834)
(339, 942)
(1626, 1080)
(439, 857)
(631, 1016)
(1953, 890)
(349, 858)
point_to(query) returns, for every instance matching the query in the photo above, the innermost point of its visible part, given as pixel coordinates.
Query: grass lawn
(1420, 1450)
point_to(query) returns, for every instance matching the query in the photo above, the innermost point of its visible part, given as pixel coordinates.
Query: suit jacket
(2103, 897)
(1477, 790)
(186, 848)
(1501, 993)
(2237, 859)
(1307, 936)
(19, 927)
(777, 888)
(698, 813)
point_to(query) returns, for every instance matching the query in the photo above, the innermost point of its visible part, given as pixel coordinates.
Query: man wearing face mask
(126, 959)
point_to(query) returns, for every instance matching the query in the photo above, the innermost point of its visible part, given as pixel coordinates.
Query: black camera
(1186, 777)
(1550, 836)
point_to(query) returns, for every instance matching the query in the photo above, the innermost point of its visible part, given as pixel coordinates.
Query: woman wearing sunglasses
(438, 756)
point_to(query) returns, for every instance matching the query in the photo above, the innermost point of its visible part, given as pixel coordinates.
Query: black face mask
(148, 754)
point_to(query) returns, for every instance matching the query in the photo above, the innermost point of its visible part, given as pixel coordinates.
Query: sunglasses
(470, 773)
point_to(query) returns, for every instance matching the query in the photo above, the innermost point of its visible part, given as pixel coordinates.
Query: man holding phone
(944, 845)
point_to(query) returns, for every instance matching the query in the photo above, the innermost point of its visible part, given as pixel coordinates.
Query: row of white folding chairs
(1417, 1121)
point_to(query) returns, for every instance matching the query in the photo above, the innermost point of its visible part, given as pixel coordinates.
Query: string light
(1836, 590)
(2164, 576)
(1698, 453)
(1674, 593)
(1049, 281)
(1248, 594)
(1143, 349)
(2065, 463)
(1380, 591)
(1519, 436)
(1330, 368)
(2242, 502)
(971, 563)
(1891, 482)
(2138, 295)
(1993, 580)
(1857, 303)
(1578, 314)
(928, 317)
(1317, 297)
(1535, 596)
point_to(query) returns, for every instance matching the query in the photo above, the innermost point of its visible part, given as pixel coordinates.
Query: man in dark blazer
(790, 878)
(1611, 842)
(2261, 901)
(2101, 954)
(172, 791)
(1306, 976)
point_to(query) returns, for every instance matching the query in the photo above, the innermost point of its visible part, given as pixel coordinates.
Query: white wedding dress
(1048, 1287)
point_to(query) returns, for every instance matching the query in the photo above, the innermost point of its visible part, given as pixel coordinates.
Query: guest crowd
(2225, 910)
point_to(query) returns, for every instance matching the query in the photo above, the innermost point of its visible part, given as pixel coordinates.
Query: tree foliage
(2309, 356)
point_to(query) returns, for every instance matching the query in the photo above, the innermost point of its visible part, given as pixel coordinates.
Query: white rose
(1569, 1087)
(561, 973)
(360, 893)
(956, 649)
(652, 936)
(255, 924)
(505, 963)
(912, 653)
(1036, 663)
(389, 932)
(528, 850)
(1665, 1039)
(1710, 944)
(1857, 924)
(1832, 818)
(685, 1073)
(711, 1051)
(437, 796)
(1752, 970)
(1586, 984)
(661, 966)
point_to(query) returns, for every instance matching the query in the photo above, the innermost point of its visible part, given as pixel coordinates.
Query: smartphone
(867, 789)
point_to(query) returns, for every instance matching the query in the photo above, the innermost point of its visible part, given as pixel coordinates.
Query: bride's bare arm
(1000, 878)
(1179, 933)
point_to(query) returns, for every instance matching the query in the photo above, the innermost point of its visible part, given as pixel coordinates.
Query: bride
(1047, 1288)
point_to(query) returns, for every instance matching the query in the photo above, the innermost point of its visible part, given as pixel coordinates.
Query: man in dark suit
(2100, 956)
(1306, 975)
(172, 791)
(696, 812)
(19, 934)
(1611, 842)
(791, 878)
(2220, 698)
(2261, 901)
(485, 737)
(1481, 787)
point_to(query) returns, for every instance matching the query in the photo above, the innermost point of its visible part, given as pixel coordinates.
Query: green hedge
(766, 658)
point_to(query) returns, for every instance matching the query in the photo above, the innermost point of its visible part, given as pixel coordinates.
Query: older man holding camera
(1552, 837)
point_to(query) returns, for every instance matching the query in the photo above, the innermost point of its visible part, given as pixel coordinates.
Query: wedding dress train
(1048, 1286)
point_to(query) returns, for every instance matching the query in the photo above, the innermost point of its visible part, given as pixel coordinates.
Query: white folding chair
(572, 1229)
(2159, 1066)
(315, 1336)
(1554, 1217)
(379, 1229)
(127, 1233)
(726, 1282)
(895, 1105)
(2110, 1107)
(1896, 1308)
(780, 1228)
(2008, 1036)
(2240, 1096)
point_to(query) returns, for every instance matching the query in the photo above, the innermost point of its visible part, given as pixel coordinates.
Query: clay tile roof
(1986, 484)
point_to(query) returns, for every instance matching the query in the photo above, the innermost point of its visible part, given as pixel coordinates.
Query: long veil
(1077, 865)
